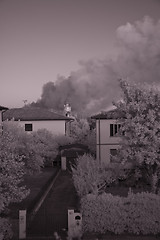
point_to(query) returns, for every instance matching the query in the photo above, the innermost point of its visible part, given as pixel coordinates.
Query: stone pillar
(63, 163)
(74, 224)
(22, 224)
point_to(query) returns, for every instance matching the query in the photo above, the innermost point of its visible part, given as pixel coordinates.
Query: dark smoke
(94, 86)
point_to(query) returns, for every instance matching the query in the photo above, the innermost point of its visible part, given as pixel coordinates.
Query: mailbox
(74, 224)
(78, 219)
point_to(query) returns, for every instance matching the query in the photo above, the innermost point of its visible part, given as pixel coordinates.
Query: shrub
(49, 144)
(11, 180)
(82, 133)
(138, 213)
(89, 176)
(24, 145)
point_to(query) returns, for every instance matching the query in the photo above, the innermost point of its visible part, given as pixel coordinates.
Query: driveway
(53, 214)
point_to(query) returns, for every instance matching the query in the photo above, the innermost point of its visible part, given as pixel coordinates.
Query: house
(2, 109)
(33, 119)
(107, 135)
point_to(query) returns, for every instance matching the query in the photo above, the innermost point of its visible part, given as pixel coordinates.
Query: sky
(42, 40)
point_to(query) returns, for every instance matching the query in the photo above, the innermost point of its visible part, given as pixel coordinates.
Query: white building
(33, 119)
(107, 135)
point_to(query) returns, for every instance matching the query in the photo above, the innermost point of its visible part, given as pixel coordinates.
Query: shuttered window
(115, 130)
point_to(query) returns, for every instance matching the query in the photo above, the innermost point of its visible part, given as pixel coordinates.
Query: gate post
(63, 163)
(22, 224)
(74, 224)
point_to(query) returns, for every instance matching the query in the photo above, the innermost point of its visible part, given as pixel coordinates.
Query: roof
(32, 114)
(74, 146)
(3, 108)
(73, 150)
(112, 114)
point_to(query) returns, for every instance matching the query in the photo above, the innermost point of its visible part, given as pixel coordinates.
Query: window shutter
(111, 130)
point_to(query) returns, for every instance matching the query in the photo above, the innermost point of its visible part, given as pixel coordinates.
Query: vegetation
(137, 213)
(83, 132)
(140, 116)
(90, 176)
(12, 171)
(22, 154)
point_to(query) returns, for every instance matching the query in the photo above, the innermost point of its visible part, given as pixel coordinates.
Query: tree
(84, 133)
(26, 146)
(139, 114)
(11, 175)
(89, 176)
(48, 144)
(79, 129)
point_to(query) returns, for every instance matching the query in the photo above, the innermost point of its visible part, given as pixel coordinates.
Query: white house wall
(103, 152)
(55, 126)
(104, 141)
(103, 131)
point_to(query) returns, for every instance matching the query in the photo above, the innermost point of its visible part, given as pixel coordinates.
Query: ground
(52, 216)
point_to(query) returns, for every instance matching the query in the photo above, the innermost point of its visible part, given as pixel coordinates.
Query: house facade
(33, 119)
(107, 135)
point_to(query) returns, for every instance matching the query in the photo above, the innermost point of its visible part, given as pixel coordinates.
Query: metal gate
(46, 224)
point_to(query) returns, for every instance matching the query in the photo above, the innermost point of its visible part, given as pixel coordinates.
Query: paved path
(52, 215)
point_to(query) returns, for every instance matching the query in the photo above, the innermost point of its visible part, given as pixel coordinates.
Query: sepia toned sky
(43, 39)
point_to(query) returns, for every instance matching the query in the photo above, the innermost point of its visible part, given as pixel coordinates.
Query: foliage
(12, 171)
(79, 129)
(138, 213)
(84, 133)
(5, 229)
(90, 141)
(48, 146)
(24, 145)
(62, 140)
(140, 115)
(35, 148)
(90, 176)
(50, 143)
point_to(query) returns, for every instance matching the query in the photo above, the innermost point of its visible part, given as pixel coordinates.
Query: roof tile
(32, 114)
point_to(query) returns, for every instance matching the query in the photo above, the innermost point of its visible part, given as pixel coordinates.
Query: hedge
(137, 213)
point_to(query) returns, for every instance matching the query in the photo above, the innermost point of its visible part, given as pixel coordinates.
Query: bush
(49, 144)
(138, 213)
(12, 171)
(89, 176)
(82, 133)
(24, 145)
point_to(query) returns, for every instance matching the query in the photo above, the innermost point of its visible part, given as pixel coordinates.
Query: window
(113, 153)
(28, 127)
(115, 130)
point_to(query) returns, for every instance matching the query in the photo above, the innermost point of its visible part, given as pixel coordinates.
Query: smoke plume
(94, 86)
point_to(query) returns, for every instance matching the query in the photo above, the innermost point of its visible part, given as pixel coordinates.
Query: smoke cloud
(94, 86)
